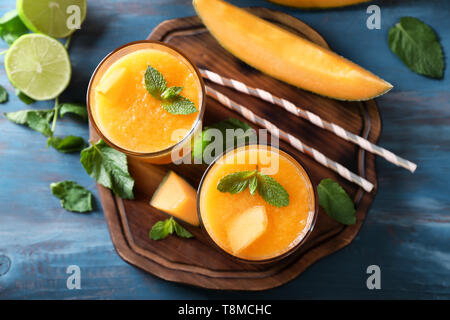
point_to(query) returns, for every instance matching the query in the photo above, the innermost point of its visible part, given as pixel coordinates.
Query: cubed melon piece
(176, 197)
(112, 84)
(246, 228)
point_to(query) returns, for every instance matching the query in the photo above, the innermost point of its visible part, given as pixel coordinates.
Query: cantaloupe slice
(317, 3)
(246, 228)
(112, 83)
(176, 197)
(286, 56)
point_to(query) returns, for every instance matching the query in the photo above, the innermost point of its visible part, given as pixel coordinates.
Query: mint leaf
(417, 45)
(179, 105)
(38, 120)
(171, 93)
(336, 202)
(162, 229)
(206, 138)
(73, 196)
(172, 102)
(11, 27)
(235, 182)
(253, 185)
(199, 143)
(77, 109)
(109, 168)
(24, 98)
(169, 225)
(180, 230)
(3, 95)
(154, 82)
(67, 144)
(271, 191)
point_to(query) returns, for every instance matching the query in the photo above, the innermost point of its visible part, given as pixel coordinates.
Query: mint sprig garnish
(235, 182)
(336, 202)
(172, 101)
(154, 82)
(162, 229)
(418, 46)
(271, 191)
(179, 105)
(171, 93)
(253, 184)
(268, 188)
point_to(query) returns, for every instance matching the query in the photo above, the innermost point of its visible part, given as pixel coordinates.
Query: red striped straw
(311, 117)
(293, 141)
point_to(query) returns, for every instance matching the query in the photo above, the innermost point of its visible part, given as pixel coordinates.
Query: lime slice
(56, 18)
(39, 66)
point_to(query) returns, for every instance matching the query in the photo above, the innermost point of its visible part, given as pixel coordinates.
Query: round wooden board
(195, 261)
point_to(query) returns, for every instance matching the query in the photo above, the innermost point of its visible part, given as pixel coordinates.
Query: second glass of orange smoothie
(128, 117)
(246, 226)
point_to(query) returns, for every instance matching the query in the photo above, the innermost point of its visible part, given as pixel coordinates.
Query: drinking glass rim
(170, 148)
(283, 255)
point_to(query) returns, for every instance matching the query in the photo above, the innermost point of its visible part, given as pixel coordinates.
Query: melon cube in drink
(246, 228)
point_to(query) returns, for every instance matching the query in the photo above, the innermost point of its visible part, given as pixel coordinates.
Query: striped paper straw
(293, 141)
(311, 117)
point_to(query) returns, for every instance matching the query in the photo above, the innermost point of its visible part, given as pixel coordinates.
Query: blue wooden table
(406, 233)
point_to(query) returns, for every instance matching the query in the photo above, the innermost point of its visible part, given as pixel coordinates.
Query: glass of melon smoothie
(129, 118)
(245, 225)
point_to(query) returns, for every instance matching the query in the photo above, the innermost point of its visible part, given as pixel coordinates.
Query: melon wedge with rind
(39, 66)
(56, 18)
(286, 56)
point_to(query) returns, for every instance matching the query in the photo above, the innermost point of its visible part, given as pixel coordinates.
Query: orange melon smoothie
(246, 225)
(132, 118)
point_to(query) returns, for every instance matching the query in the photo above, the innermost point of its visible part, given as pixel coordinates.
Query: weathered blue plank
(406, 232)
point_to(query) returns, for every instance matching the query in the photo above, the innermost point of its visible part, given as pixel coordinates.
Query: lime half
(56, 18)
(39, 66)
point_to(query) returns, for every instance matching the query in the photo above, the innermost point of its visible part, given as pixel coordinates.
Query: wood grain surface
(405, 232)
(196, 261)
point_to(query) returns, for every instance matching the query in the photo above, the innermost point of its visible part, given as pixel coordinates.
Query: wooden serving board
(196, 261)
